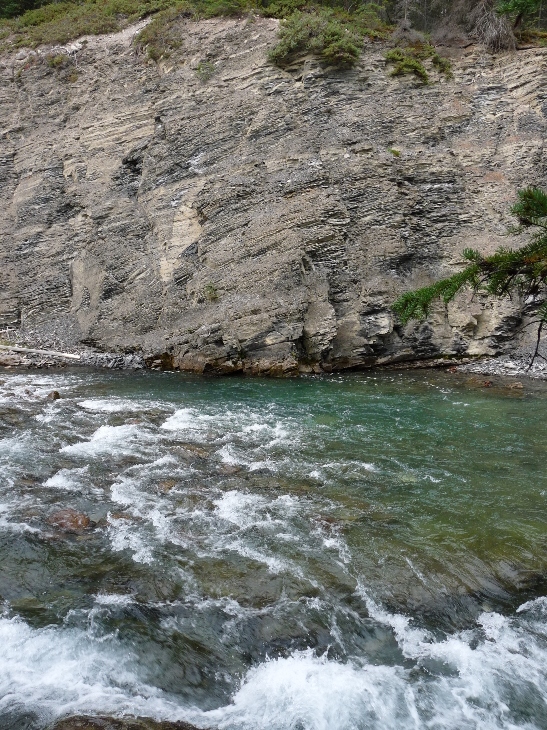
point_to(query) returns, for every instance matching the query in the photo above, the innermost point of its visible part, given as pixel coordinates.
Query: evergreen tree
(12, 8)
(523, 270)
(519, 9)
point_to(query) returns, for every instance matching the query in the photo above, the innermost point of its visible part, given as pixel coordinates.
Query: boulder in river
(69, 520)
(54, 395)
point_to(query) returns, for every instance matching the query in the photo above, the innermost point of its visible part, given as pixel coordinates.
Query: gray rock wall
(257, 220)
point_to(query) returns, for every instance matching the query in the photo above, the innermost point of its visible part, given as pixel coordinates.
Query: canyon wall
(218, 213)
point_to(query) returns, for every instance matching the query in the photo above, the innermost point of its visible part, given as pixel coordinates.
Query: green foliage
(442, 65)
(45, 22)
(161, 35)
(409, 60)
(205, 70)
(61, 21)
(56, 61)
(58, 22)
(532, 37)
(523, 270)
(11, 8)
(405, 63)
(416, 304)
(334, 35)
(320, 33)
(325, 28)
(531, 208)
(518, 9)
(210, 292)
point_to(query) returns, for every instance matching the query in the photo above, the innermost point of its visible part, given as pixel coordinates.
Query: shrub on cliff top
(59, 22)
(320, 33)
(324, 28)
(333, 35)
(164, 33)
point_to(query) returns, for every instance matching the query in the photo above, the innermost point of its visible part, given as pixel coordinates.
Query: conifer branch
(522, 270)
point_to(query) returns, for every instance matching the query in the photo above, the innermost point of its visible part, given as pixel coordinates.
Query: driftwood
(52, 353)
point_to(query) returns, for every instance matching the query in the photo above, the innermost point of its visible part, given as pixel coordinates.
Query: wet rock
(69, 520)
(167, 485)
(229, 469)
(112, 723)
(54, 395)
(193, 451)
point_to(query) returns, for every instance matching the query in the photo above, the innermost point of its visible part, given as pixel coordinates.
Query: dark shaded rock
(111, 723)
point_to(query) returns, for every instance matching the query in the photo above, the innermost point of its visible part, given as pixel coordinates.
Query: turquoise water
(361, 551)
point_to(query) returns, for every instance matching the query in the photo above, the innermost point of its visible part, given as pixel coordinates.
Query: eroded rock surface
(258, 220)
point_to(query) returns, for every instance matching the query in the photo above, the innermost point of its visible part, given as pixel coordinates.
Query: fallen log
(28, 350)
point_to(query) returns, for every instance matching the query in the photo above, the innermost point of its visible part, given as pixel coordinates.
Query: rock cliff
(217, 213)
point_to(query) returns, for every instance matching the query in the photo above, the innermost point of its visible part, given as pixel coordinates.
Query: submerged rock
(112, 723)
(167, 485)
(69, 520)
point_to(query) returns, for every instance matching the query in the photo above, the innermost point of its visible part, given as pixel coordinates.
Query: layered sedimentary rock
(253, 218)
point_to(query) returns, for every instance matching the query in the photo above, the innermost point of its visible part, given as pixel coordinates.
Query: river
(358, 551)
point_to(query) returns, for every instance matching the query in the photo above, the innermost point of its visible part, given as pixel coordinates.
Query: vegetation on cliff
(336, 36)
(332, 29)
(522, 271)
(409, 60)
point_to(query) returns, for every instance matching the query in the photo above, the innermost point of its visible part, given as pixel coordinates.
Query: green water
(361, 551)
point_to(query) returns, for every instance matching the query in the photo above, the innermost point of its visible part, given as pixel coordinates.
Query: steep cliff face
(260, 218)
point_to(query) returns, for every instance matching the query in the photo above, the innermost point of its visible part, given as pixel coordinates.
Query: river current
(361, 551)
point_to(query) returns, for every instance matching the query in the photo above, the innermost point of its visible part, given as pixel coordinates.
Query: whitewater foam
(108, 440)
(55, 671)
(124, 536)
(118, 405)
(71, 480)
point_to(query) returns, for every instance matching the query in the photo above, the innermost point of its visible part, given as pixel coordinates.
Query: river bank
(511, 366)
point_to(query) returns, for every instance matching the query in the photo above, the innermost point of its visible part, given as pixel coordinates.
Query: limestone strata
(257, 221)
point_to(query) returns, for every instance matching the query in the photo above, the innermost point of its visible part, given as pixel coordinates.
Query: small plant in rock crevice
(210, 292)
(205, 70)
(57, 61)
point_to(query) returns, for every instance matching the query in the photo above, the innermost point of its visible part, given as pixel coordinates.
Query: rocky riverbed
(335, 553)
(111, 723)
